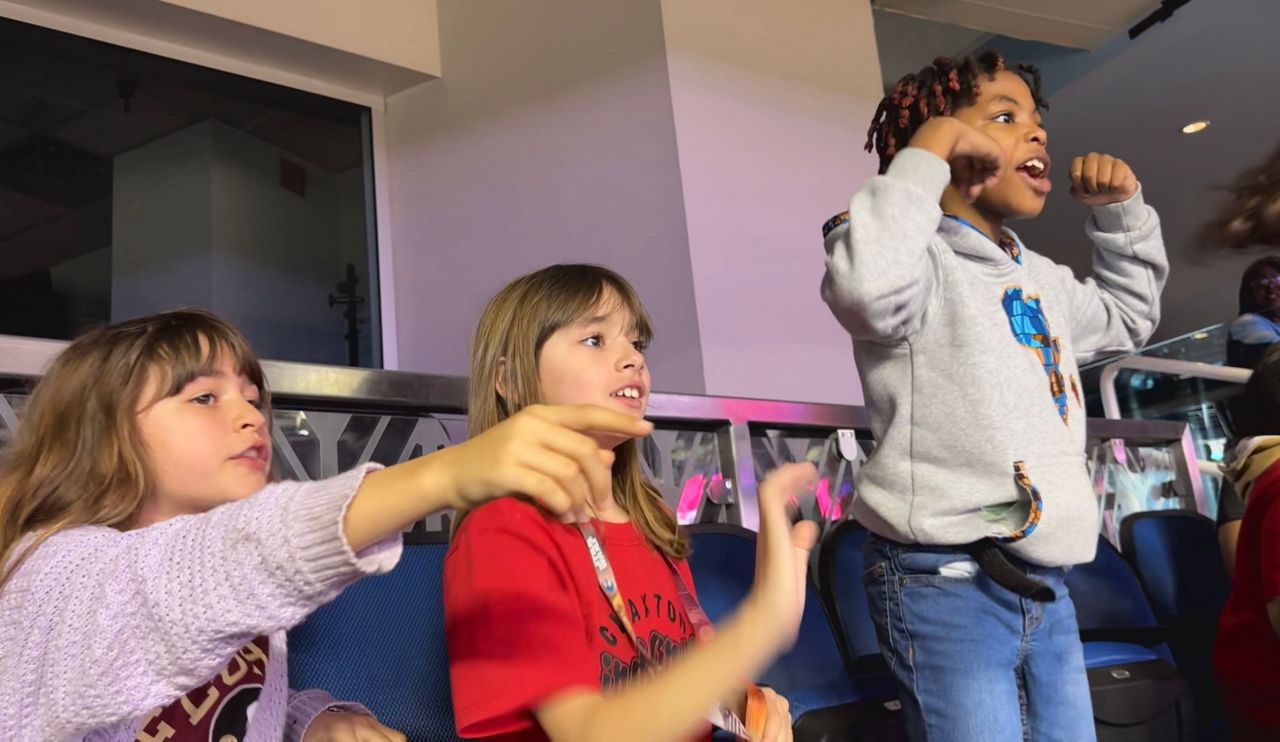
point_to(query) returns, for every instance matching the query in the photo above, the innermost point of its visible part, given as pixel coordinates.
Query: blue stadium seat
(840, 568)
(1110, 654)
(1138, 693)
(1176, 556)
(1179, 564)
(723, 564)
(824, 699)
(382, 643)
(1110, 605)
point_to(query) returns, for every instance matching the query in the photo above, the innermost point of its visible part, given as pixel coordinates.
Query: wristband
(756, 711)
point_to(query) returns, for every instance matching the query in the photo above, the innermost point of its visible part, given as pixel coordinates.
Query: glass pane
(10, 408)
(310, 445)
(1201, 403)
(131, 183)
(1145, 478)
(830, 499)
(685, 465)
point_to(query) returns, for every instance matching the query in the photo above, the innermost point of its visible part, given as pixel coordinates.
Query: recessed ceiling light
(1195, 127)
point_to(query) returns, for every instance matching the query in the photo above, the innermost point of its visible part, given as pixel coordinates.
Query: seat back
(1179, 563)
(1177, 559)
(1110, 604)
(381, 643)
(723, 565)
(840, 584)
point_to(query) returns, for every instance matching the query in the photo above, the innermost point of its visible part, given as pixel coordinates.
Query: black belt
(992, 560)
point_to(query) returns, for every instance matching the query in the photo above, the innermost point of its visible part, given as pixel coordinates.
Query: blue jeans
(973, 660)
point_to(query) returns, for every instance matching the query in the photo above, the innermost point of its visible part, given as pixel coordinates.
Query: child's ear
(500, 383)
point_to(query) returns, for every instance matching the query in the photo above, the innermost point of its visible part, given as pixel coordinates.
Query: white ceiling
(905, 44)
(1081, 24)
(1216, 60)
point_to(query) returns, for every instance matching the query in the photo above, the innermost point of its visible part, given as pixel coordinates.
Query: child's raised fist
(976, 159)
(1097, 180)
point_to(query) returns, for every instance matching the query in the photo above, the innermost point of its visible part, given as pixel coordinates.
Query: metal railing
(1107, 383)
(1171, 367)
(329, 418)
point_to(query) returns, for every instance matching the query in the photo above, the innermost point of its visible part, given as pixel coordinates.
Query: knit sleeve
(305, 706)
(99, 625)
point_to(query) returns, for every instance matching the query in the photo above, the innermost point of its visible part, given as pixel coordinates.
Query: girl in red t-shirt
(587, 628)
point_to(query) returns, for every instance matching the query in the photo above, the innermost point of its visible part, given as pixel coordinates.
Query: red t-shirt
(525, 617)
(1246, 656)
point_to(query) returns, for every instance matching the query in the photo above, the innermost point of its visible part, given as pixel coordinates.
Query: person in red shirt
(1246, 654)
(587, 627)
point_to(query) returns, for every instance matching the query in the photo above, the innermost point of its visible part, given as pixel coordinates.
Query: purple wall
(770, 128)
(549, 138)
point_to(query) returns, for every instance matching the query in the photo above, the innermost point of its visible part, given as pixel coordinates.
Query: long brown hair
(1251, 213)
(77, 457)
(514, 327)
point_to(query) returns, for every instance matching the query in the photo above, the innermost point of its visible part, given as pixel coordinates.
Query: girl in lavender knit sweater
(149, 571)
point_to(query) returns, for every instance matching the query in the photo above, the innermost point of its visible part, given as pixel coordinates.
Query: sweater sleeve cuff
(923, 169)
(306, 705)
(318, 539)
(1125, 216)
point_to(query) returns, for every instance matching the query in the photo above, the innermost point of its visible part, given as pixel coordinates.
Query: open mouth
(629, 393)
(1036, 172)
(257, 456)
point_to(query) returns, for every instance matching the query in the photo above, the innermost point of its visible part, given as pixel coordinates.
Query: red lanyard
(721, 716)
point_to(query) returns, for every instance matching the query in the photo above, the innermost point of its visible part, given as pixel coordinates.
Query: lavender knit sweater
(100, 627)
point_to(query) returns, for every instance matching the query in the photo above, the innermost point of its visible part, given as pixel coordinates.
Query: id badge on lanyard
(721, 715)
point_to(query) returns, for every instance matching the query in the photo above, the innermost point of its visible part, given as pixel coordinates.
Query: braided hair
(937, 90)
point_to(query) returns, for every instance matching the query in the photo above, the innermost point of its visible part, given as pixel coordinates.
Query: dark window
(132, 183)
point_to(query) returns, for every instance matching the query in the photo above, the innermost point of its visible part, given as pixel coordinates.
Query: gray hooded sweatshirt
(968, 359)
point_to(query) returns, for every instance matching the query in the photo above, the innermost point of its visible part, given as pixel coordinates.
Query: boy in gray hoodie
(967, 343)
